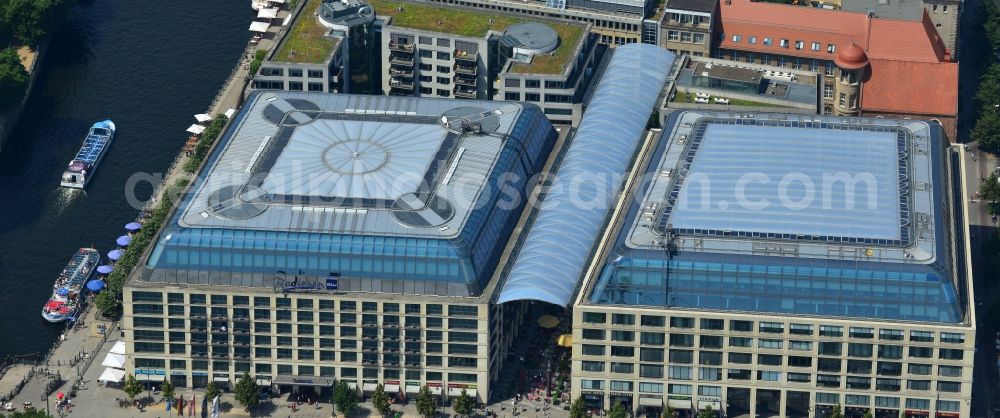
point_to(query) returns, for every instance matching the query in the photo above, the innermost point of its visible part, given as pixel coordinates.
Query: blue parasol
(124, 240)
(62, 291)
(114, 255)
(133, 226)
(95, 285)
(105, 269)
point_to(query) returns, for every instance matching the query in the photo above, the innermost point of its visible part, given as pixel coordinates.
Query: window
(740, 358)
(736, 38)
(740, 342)
(711, 341)
(858, 382)
(859, 366)
(799, 361)
(622, 351)
(593, 350)
(589, 317)
(799, 44)
(752, 40)
(800, 329)
(827, 381)
(767, 41)
(651, 354)
(443, 56)
(830, 348)
(917, 403)
(921, 352)
(949, 406)
(831, 365)
(738, 374)
(673, 36)
(827, 398)
(949, 353)
(709, 391)
(770, 343)
(710, 358)
(681, 356)
(950, 371)
(800, 345)
(843, 100)
(815, 46)
(592, 384)
(650, 387)
(710, 374)
(712, 324)
(768, 360)
(828, 92)
(890, 334)
(949, 386)
(831, 48)
(772, 327)
(831, 330)
(799, 377)
(617, 367)
(679, 372)
(919, 369)
(681, 340)
(918, 384)
(768, 376)
(922, 336)
(859, 332)
(887, 385)
(886, 402)
(652, 320)
(890, 351)
(890, 368)
(952, 338)
(679, 389)
(425, 53)
(652, 338)
(618, 335)
(784, 43)
(681, 322)
(741, 326)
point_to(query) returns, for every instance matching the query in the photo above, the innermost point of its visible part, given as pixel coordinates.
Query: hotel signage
(296, 284)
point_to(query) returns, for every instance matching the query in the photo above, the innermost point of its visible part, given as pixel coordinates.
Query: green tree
(13, 78)
(167, 389)
(426, 404)
(989, 189)
(211, 391)
(707, 412)
(617, 411)
(132, 387)
(35, 413)
(988, 94)
(463, 404)
(868, 414)
(107, 303)
(344, 398)
(836, 412)
(247, 392)
(31, 20)
(987, 130)
(992, 24)
(578, 409)
(258, 58)
(381, 401)
(668, 412)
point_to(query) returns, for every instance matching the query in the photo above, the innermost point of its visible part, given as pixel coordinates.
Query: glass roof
(778, 180)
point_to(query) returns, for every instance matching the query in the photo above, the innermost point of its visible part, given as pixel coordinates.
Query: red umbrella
(60, 395)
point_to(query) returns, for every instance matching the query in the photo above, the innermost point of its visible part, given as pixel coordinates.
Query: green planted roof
(306, 42)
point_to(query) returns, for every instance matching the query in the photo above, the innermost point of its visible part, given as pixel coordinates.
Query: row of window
(777, 60)
(292, 72)
(767, 327)
(782, 42)
(304, 303)
(686, 37)
(302, 370)
(856, 350)
(532, 83)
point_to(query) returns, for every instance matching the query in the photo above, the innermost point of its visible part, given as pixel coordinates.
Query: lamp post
(548, 378)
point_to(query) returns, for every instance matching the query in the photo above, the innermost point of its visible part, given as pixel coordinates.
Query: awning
(456, 392)
(267, 13)
(153, 377)
(266, 381)
(203, 117)
(220, 378)
(679, 403)
(392, 389)
(565, 340)
(230, 113)
(118, 348)
(658, 402)
(716, 405)
(316, 381)
(412, 389)
(259, 26)
(435, 390)
(352, 385)
(196, 129)
(111, 375)
(369, 387)
(114, 360)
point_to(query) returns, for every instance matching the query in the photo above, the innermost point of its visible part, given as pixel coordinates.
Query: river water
(147, 65)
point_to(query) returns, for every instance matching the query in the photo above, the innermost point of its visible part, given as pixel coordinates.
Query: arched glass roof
(555, 252)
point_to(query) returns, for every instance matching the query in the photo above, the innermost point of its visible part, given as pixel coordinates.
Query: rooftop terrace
(554, 63)
(306, 41)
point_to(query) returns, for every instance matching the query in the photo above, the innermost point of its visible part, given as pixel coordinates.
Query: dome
(851, 57)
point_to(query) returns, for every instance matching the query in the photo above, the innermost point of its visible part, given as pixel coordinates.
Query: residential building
(863, 59)
(431, 50)
(781, 294)
(344, 237)
(315, 53)
(687, 26)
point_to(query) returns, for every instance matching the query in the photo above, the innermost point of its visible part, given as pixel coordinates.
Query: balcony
(369, 363)
(466, 56)
(199, 316)
(401, 72)
(390, 350)
(199, 342)
(465, 80)
(390, 363)
(369, 324)
(199, 355)
(462, 68)
(400, 46)
(198, 328)
(221, 331)
(408, 351)
(402, 84)
(242, 343)
(411, 338)
(241, 356)
(241, 331)
(390, 338)
(390, 324)
(412, 327)
(465, 93)
(369, 349)
(241, 319)
(400, 92)
(222, 356)
(219, 317)
(397, 58)
(412, 364)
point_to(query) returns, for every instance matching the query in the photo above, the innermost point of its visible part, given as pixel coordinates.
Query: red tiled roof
(909, 87)
(905, 41)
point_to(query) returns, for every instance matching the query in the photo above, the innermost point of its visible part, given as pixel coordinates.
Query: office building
(344, 237)
(782, 266)
(687, 26)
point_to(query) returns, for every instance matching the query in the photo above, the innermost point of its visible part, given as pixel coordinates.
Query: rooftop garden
(682, 97)
(306, 42)
(569, 36)
(441, 19)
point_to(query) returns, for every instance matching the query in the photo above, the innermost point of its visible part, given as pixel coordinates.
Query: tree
(211, 391)
(989, 88)
(668, 412)
(987, 130)
(578, 409)
(247, 392)
(836, 412)
(989, 189)
(463, 404)
(381, 401)
(344, 398)
(107, 303)
(35, 413)
(868, 414)
(617, 411)
(30, 20)
(426, 404)
(132, 387)
(707, 412)
(13, 78)
(167, 389)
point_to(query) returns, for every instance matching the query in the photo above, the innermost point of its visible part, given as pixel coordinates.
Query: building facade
(687, 26)
(790, 309)
(341, 237)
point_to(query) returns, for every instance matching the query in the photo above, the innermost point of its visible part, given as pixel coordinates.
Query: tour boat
(67, 291)
(82, 168)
